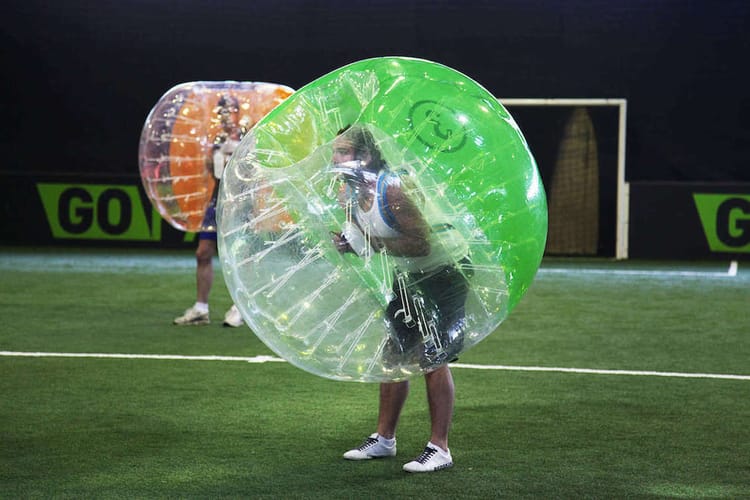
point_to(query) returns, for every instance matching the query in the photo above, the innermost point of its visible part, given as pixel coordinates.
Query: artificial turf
(89, 427)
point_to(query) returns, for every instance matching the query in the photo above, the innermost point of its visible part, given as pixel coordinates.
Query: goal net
(579, 146)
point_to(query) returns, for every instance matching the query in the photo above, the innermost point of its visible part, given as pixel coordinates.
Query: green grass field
(605, 382)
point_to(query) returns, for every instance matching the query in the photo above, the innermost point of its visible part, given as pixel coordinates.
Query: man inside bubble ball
(224, 144)
(425, 317)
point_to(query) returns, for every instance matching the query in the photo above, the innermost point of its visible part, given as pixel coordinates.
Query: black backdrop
(79, 77)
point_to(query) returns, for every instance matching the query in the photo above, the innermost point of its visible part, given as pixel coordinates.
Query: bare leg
(392, 399)
(440, 397)
(204, 272)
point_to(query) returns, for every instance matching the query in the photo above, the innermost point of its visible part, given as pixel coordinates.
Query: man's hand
(340, 243)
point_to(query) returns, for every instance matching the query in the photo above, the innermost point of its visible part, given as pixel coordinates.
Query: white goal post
(623, 187)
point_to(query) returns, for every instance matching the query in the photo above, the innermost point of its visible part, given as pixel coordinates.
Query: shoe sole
(434, 469)
(193, 323)
(367, 457)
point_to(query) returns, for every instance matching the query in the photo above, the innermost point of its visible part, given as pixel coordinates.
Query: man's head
(357, 143)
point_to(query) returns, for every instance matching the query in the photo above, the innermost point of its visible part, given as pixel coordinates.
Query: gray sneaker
(233, 317)
(431, 459)
(373, 447)
(192, 317)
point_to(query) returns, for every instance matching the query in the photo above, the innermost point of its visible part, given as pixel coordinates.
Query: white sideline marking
(732, 268)
(255, 359)
(603, 372)
(266, 359)
(730, 273)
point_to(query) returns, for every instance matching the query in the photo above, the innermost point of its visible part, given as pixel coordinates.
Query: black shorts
(208, 225)
(426, 318)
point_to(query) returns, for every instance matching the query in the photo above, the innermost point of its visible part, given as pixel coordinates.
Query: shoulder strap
(384, 179)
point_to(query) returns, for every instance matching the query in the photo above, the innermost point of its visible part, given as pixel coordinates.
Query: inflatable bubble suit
(379, 262)
(189, 128)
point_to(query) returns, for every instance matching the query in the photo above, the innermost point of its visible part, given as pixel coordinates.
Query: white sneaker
(431, 459)
(373, 447)
(233, 317)
(192, 317)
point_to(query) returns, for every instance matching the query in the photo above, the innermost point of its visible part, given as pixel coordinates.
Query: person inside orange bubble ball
(224, 144)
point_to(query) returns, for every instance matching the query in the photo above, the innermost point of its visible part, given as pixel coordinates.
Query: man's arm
(409, 222)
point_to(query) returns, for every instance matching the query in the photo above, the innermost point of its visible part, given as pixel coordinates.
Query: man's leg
(383, 442)
(204, 272)
(197, 314)
(440, 397)
(392, 398)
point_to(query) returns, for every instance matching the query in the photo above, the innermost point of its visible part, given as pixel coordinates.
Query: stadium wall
(97, 211)
(667, 220)
(689, 220)
(82, 77)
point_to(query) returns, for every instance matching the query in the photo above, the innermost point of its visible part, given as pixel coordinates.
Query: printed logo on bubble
(437, 126)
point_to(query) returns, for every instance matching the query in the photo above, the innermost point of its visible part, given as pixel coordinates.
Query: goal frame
(623, 187)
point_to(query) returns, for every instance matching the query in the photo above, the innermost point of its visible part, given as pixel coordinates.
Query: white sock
(386, 441)
(201, 307)
(438, 448)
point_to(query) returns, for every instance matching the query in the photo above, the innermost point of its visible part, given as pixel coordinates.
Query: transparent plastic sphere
(189, 129)
(381, 221)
